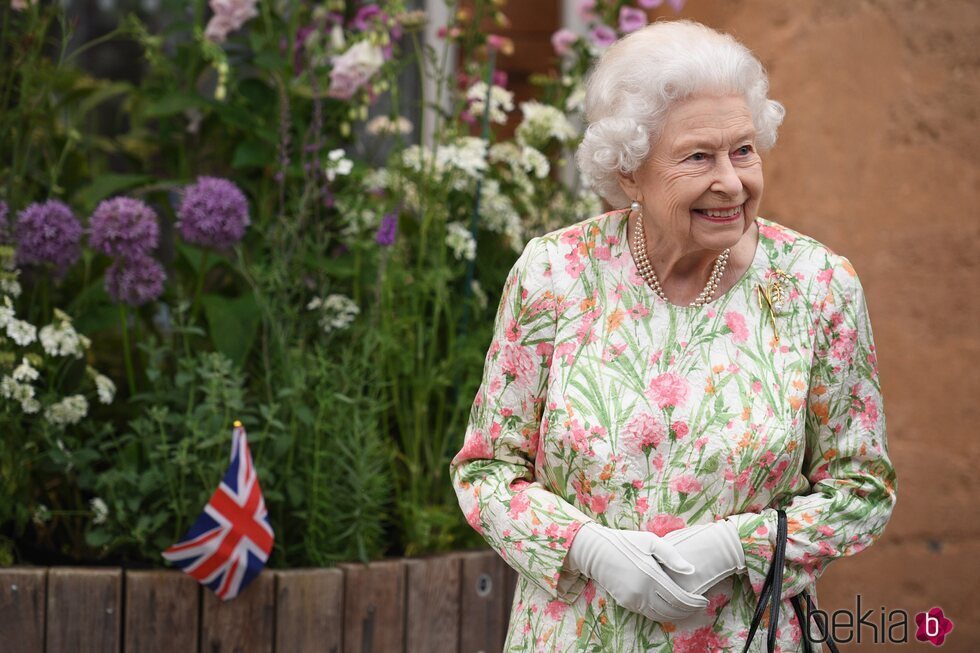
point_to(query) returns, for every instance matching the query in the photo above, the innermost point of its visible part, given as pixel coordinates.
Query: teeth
(721, 214)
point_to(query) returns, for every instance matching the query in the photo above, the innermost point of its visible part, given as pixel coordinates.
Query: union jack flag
(231, 540)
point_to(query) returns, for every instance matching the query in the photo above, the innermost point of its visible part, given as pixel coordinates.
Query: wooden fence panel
(483, 619)
(22, 597)
(244, 624)
(83, 610)
(162, 612)
(432, 610)
(309, 610)
(374, 609)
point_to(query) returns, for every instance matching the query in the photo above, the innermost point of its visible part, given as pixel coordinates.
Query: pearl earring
(635, 206)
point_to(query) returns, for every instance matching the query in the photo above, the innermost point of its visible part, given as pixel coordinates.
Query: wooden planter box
(453, 603)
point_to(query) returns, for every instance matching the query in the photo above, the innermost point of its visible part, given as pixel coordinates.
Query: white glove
(714, 549)
(624, 563)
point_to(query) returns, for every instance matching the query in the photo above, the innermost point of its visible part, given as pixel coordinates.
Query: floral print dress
(602, 402)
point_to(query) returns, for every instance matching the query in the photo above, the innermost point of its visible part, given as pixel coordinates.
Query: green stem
(200, 284)
(130, 376)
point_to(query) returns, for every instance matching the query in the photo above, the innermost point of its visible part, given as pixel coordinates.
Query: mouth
(721, 215)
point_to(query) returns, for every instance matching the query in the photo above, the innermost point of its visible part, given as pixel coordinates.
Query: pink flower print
(842, 348)
(739, 481)
(585, 334)
(495, 431)
(600, 502)
(662, 524)
(572, 237)
(680, 429)
(475, 447)
(518, 364)
(473, 519)
(776, 475)
(566, 350)
(700, 442)
(824, 276)
(556, 609)
(589, 592)
(642, 505)
(574, 267)
(712, 312)
(639, 311)
(869, 416)
(686, 484)
(668, 389)
(700, 640)
(644, 432)
(735, 321)
(513, 332)
(602, 253)
(716, 603)
(655, 358)
(756, 386)
(776, 234)
(826, 531)
(545, 350)
(519, 503)
(612, 352)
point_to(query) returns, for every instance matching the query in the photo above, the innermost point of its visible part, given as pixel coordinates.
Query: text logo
(933, 626)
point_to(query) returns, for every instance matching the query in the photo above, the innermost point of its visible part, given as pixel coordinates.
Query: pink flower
(473, 519)
(777, 234)
(680, 429)
(518, 504)
(475, 447)
(686, 484)
(353, 69)
(229, 15)
(631, 19)
(556, 609)
(668, 389)
(562, 41)
(735, 321)
(600, 502)
(650, 4)
(663, 524)
(700, 640)
(518, 364)
(644, 432)
(603, 36)
(642, 505)
(586, 10)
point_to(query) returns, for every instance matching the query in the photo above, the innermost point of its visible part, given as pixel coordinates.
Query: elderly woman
(665, 376)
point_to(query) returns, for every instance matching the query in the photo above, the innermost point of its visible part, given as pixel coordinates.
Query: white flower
(60, 338)
(498, 214)
(468, 155)
(24, 371)
(383, 125)
(69, 410)
(105, 388)
(19, 392)
(535, 162)
(21, 332)
(461, 241)
(337, 165)
(41, 515)
(478, 292)
(542, 123)
(100, 511)
(30, 405)
(576, 100)
(501, 101)
(9, 285)
(6, 312)
(336, 311)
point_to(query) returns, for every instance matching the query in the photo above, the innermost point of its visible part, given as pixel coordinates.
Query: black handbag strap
(770, 595)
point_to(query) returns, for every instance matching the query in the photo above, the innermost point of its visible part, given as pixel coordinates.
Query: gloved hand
(625, 564)
(714, 549)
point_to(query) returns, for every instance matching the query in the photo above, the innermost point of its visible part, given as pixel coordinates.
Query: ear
(628, 184)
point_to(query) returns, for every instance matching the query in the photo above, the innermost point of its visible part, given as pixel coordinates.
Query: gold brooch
(776, 293)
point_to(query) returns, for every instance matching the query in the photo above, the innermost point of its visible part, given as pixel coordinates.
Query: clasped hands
(662, 578)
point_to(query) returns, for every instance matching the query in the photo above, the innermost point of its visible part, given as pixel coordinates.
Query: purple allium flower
(386, 232)
(631, 19)
(365, 15)
(603, 36)
(650, 4)
(213, 213)
(135, 281)
(123, 226)
(48, 233)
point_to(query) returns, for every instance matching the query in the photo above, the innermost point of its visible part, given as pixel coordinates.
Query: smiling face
(701, 184)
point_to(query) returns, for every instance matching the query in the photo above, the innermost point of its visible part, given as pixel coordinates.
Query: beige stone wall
(878, 158)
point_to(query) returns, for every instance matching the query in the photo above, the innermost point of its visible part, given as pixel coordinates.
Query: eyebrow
(701, 143)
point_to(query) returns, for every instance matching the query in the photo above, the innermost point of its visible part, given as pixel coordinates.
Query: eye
(745, 150)
(698, 157)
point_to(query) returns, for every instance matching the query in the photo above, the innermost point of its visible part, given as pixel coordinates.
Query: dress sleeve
(852, 481)
(493, 474)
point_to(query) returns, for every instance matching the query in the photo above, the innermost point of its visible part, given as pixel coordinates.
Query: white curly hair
(637, 80)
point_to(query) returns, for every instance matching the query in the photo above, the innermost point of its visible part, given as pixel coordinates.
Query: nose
(726, 178)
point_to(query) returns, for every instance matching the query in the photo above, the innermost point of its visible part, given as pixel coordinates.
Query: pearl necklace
(646, 269)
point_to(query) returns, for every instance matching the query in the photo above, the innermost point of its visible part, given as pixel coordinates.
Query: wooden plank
(309, 610)
(374, 614)
(84, 610)
(482, 600)
(22, 595)
(432, 610)
(243, 624)
(162, 612)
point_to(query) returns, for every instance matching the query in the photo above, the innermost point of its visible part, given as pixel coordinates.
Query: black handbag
(771, 591)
